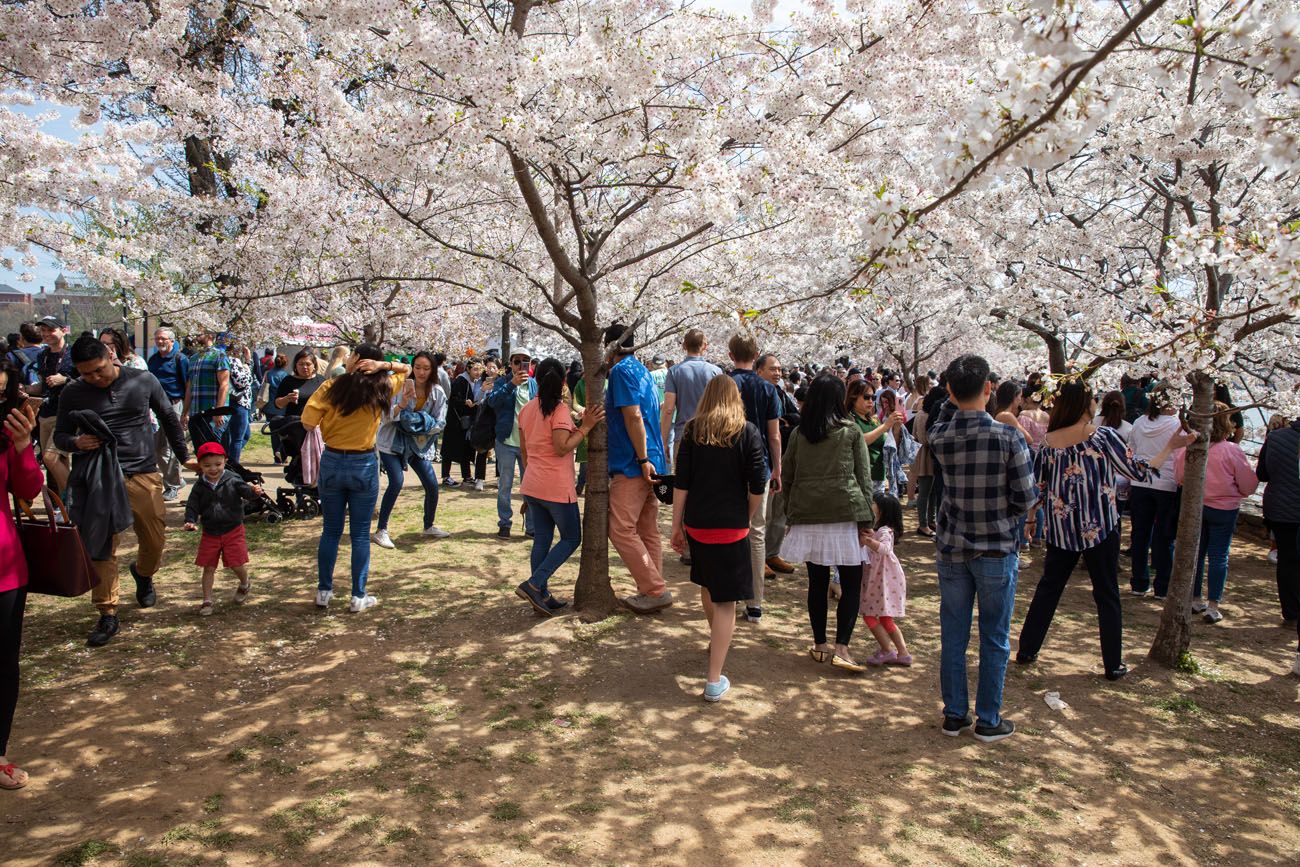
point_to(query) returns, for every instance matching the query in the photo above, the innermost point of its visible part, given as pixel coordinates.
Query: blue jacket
(502, 401)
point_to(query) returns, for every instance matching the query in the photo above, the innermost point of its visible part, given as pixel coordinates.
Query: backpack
(483, 432)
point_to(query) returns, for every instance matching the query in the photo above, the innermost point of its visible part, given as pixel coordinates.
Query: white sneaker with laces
(1199, 606)
(478, 484)
(323, 598)
(380, 538)
(361, 603)
(435, 533)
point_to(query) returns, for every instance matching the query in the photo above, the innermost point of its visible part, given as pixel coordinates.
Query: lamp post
(65, 304)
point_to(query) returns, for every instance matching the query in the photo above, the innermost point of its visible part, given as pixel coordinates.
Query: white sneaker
(323, 598)
(435, 533)
(381, 539)
(361, 603)
(478, 486)
(1272, 556)
(1199, 606)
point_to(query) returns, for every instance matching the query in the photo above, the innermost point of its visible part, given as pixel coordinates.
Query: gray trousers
(775, 523)
(167, 463)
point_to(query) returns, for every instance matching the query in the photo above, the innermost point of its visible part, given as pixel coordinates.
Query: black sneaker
(1117, 673)
(530, 594)
(105, 629)
(144, 592)
(450, 483)
(1026, 658)
(953, 726)
(753, 615)
(503, 532)
(992, 734)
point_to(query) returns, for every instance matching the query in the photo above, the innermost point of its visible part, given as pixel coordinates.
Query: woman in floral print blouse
(1076, 469)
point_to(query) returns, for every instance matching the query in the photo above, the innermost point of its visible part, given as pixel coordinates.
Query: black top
(762, 402)
(48, 363)
(306, 388)
(218, 509)
(1278, 461)
(720, 480)
(124, 406)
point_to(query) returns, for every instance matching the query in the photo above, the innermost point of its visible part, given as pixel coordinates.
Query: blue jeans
(428, 476)
(993, 580)
(236, 433)
(547, 516)
(347, 483)
(507, 458)
(1217, 526)
(1154, 517)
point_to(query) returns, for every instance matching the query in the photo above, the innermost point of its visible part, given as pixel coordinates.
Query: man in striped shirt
(988, 485)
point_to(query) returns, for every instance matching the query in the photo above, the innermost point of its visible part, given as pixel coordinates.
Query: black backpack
(483, 432)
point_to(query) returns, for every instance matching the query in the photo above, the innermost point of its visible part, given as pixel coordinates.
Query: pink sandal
(8, 779)
(905, 659)
(881, 657)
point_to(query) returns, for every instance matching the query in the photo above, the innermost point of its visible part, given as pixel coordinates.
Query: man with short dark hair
(121, 398)
(206, 387)
(683, 385)
(769, 368)
(54, 371)
(988, 485)
(172, 370)
(763, 409)
(636, 456)
(24, 353)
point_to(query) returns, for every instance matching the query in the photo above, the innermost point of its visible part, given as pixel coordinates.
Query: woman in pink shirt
(547, 438)
(1228, 480)
(19, 475)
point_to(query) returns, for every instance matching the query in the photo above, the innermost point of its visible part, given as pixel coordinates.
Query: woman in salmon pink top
(19, 475)
(547, 438)
(1228, 480)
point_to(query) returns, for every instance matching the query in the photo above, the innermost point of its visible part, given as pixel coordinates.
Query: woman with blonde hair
(721, 459)
(338, 362)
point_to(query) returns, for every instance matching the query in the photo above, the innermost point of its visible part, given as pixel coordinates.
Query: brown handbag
(57, 561)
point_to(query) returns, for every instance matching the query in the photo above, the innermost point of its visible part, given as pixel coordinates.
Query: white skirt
(823, 544)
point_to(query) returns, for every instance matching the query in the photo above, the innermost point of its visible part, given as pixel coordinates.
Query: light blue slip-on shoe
(715, 691)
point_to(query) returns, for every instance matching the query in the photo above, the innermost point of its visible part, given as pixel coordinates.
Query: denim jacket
(502, 401)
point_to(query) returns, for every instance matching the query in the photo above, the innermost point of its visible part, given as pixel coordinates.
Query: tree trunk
(1173, 636)
(593, 597)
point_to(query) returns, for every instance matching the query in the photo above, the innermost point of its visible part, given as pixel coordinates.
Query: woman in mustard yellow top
(347, 409)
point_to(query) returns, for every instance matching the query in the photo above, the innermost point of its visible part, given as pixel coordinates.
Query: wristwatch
(642, 461)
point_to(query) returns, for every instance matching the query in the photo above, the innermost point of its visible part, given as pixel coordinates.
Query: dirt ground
(451, 725)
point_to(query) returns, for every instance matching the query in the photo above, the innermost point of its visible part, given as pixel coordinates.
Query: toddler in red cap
(217, 503)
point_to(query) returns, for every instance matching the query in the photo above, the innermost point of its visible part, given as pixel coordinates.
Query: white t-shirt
(1125, 429)
(1147, 439)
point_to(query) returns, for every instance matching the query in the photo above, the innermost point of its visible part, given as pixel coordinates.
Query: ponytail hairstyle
(1157, 403)
(354, 391)
(550, 385)
(1112, 409)
(891, 513)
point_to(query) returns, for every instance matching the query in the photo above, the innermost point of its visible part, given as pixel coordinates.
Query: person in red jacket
(19, 475)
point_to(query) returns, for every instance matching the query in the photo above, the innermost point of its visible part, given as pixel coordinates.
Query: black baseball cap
(49, 322)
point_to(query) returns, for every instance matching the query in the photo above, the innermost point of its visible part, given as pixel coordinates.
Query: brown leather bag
(57, 561)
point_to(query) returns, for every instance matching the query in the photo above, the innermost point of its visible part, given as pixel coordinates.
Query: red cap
(211, 448)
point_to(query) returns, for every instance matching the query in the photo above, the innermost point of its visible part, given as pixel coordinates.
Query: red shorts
(230, 548)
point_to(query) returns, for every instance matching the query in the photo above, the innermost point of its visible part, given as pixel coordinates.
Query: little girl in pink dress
(884, 586)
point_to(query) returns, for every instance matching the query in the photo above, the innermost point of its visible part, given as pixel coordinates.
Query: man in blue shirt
(172, 370)
(763, 408)
(636, 455)
(511, 393)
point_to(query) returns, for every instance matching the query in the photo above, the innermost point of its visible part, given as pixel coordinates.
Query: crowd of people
(765, 467)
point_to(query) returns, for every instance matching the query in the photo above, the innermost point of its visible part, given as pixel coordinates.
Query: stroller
(202, 431)
(299, 500)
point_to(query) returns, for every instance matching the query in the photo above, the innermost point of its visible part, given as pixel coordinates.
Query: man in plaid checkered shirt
(988, 486)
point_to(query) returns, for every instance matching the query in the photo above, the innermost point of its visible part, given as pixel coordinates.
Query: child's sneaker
(205, 610)
(882, 657)
(904, 659)
(323, 598)
(361, 603)
(715, 691)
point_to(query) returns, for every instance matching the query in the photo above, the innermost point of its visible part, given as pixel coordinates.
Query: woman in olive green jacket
(826, 476)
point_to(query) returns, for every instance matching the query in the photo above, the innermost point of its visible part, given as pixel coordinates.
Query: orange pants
(634, 531)
(144, 491)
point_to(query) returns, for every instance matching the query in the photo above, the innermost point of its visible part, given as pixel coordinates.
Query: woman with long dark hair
(1075, 470)
(547, 438)
(1111, 414)
(860, 406)
(455, 439)
(1153, 502)
(20, 475)
(421, 394)
(120, 348)
(826, 474)
(348, 409)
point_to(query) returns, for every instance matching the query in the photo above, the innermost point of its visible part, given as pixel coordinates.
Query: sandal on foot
(206, 608)
(12, 776)
(904, 660)
(847, 664)
(819, 655)
(241, 592)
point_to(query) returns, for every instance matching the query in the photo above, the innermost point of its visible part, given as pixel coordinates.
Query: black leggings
(846, 613)
(12, 604)
(1102, 561)
(479, 461)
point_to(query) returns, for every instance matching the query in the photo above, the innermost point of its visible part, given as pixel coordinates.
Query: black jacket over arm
(124, 407)
(720, 480)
